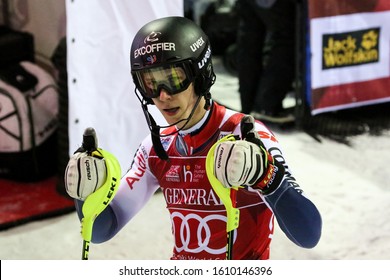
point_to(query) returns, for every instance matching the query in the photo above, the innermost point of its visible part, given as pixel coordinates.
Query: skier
(171, 66)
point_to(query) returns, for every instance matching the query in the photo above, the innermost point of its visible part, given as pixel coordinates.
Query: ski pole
(96, 202)
(227, 196)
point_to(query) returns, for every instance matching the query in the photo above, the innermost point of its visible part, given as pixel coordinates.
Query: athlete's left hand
(238, 163)
(247, 162)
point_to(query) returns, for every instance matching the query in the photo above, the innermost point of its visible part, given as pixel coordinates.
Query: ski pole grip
(224, 194)
(90, 142)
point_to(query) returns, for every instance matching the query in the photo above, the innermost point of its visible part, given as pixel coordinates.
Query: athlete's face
(177, 107)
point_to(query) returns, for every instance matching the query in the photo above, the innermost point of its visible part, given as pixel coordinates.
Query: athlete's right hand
(84, 174)
(86, 171)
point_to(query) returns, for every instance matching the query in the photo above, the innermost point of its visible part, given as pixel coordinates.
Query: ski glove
(84, 174)
(86, 171)
(246, 162)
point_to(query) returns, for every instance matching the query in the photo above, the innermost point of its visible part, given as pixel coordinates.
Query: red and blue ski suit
(197, 214)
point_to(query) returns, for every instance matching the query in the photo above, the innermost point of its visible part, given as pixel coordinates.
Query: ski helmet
(172, 43)
(170, 53)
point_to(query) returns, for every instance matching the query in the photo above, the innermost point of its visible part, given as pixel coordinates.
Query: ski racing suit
(197, 214)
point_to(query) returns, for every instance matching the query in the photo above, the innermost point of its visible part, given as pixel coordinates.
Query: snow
(349, 184)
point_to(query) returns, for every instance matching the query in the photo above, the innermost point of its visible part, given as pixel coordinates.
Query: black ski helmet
(173, 40)
(171, 43)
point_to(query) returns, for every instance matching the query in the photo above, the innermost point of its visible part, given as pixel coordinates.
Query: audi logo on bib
(195, 233)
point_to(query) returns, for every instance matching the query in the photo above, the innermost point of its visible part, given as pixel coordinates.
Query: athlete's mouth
(171, 111)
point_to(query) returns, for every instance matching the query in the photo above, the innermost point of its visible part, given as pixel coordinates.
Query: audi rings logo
(203, 232)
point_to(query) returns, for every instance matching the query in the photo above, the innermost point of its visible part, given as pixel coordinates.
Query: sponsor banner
(349, 59)
(350, 48)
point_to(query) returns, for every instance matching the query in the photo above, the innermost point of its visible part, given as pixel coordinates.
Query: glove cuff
(271, 178)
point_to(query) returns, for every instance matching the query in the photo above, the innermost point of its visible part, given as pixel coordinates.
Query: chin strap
(207, 97)
(158, 147)
(155, 133)
(155, 129)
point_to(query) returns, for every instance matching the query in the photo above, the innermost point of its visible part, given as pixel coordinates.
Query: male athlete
(171, 66)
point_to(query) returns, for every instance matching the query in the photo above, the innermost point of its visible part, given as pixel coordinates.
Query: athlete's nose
(164, 95)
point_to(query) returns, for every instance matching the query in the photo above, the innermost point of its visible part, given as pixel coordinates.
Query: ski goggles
(173, 78)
